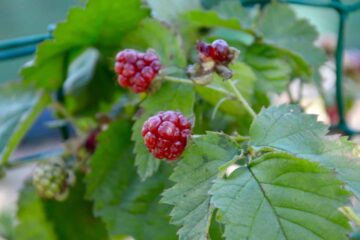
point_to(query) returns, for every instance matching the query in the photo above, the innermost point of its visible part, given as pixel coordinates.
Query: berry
(50, 179)
(91, 141)
(166, 134)
(218, 51)
(136, 70)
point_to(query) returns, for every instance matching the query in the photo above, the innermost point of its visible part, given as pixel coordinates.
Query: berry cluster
(166, 134)
(218, 51)
(50, 179)
(136, 70)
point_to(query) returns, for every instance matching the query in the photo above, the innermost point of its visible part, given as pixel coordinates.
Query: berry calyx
(218, 51)
(50, 179)
(136, 70)
(166, 134)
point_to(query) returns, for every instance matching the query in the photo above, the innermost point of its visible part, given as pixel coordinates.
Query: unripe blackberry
(50, 179)
(218, 51)
(136, 70)
(166, 134)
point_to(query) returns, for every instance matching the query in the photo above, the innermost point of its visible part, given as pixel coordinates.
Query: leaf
(287, 129)
(48, 219)
(272, 70)
(193, 178)
(127, 205)
(98, 95)
(81, 71)
(98, 25)
(279, 196)
(233, 9)
(198, 18)
(295, 35)
(245, 83)
(19, 107)
(170, 10)
(33, 223)
(164, 40)
(176, 97)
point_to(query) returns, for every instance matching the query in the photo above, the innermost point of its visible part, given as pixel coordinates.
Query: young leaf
(193, 178)
(19, 107)
(279, 196)
(97, 25)
(164, 40)
(296, 35)
(177, 97)
(128, 205)
(287, 129)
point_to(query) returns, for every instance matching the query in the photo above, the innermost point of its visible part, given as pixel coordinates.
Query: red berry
(91, 141)
(136, 70)
(166, 134)
(218, 51)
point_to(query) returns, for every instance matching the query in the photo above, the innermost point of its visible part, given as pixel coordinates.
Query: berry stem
(188, 81)
(240, 97)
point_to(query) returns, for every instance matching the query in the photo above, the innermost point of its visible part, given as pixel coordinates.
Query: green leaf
(33, 223)
(279, 196)
(295, 35)
(233, 9)
(81, 71)
(98, 25)
(128, 205)
(98, 95)
(287, 129)
(19, 107)
(272, 70)
(193, 178)
(71, 219)
(81, 224)
(164, 40)
(245, 83)
(176, 97)
(198, 18)
(170, 10)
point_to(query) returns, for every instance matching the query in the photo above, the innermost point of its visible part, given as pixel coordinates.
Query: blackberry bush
(245, 168)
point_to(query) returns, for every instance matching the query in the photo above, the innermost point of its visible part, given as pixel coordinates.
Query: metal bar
(332, 4)
(17, 52)
(339, 72)
(20, 42)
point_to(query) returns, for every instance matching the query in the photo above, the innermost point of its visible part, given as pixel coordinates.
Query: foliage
(290, 176)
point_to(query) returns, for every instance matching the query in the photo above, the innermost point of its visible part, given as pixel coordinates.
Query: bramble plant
(188, 146)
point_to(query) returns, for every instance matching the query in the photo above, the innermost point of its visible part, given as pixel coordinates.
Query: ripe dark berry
(166, 134)
(50, 179)
(136, 70)
(218, 51)
(90, 143)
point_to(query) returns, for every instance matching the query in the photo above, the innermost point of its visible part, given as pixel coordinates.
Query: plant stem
(187, 81)
(240, 97)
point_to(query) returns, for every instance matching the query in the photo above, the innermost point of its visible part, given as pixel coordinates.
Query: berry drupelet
(136, 70)
(166, 134)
